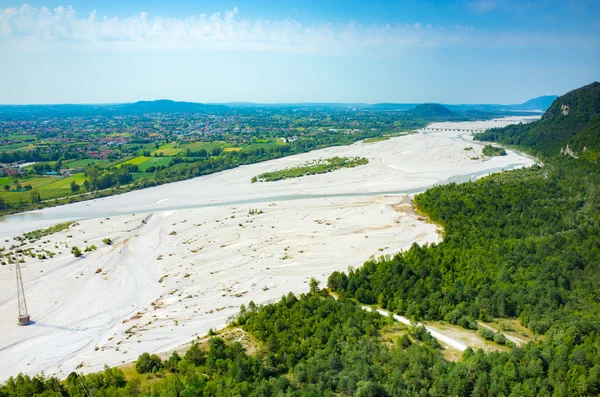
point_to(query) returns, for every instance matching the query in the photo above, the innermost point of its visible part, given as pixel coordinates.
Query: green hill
(430, 111)
(540, 103)
(571, 125)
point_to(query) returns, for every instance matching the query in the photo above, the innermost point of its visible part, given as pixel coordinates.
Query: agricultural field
(47, 187)
(19, 146)
(81, 163)
(208, 146)
(154, 161)
(135, 161)
(170, 149)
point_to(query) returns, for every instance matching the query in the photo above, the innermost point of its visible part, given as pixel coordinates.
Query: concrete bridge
(469, 130)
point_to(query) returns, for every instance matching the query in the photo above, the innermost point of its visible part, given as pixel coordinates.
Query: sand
(186, 255)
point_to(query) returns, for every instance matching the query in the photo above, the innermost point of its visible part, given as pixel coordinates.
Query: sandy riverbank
(176, 268)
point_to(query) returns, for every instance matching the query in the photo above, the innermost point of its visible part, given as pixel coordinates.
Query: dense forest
(521, 244)
(313, 345)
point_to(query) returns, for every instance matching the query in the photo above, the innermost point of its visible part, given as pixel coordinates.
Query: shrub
(76, 252)
(500, 338)
(485, 333)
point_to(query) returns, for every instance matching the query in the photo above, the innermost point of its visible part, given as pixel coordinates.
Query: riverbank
(185, 256)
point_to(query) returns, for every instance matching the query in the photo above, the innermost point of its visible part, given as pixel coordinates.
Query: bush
(147, 363)
(485, 333)
(405, 341)
(107, 241)
(76, 252)
(500, 339)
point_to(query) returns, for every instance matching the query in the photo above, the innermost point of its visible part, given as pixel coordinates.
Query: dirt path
(439, 335)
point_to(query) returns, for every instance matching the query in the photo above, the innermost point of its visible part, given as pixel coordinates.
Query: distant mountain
(168, 106)
(430, 111)
(393, 106)
(540, 103)
(571, 125)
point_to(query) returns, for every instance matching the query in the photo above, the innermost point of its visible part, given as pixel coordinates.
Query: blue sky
(480, 51)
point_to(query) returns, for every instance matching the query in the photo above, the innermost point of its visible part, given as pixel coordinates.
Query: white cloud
(33, 29)
(62, 26)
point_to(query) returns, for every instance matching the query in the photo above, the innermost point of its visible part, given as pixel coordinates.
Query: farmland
(76, 157)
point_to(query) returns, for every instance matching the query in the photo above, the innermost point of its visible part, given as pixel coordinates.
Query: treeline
(520, 244)
(321, 166)
(313, 345)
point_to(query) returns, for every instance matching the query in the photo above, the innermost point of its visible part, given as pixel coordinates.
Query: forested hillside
(573, 119)
(521, 244)
(430, 111)
(313, 345)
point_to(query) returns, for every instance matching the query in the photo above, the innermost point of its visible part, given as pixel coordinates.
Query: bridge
(469, 130)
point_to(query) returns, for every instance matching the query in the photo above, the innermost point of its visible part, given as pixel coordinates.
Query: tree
(147, 363)
(7, 187)
(86, 185)
(74, 187)
(314, 285)
(34, 196)
(172, 362)
(195, 355)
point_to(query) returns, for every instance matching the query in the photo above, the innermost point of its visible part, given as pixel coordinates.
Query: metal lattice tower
(23, 315)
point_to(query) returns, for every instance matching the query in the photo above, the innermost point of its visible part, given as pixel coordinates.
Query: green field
(135, 161)
(17, 147)
(47, 187)
(61, 187)
(264, 145)
(81, 163)
(154, 161)
(208, 146)
(168, 150)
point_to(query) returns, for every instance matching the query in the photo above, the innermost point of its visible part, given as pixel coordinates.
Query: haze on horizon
(481, 51)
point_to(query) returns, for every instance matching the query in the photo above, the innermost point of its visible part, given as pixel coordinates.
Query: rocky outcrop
(567, 151)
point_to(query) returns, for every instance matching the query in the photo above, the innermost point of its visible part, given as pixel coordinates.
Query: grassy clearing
(232, 149)
(170, 149)
(263, 145)
(208, 146)
(15, 147)
(155, 161)
(81, 163)
(136, 160)
(61, 187)
(467, 336)
(47, 187)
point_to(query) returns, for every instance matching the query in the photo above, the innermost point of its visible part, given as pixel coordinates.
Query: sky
(276, 51)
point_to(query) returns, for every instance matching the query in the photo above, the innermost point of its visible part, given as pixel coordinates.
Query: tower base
(24, 319)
